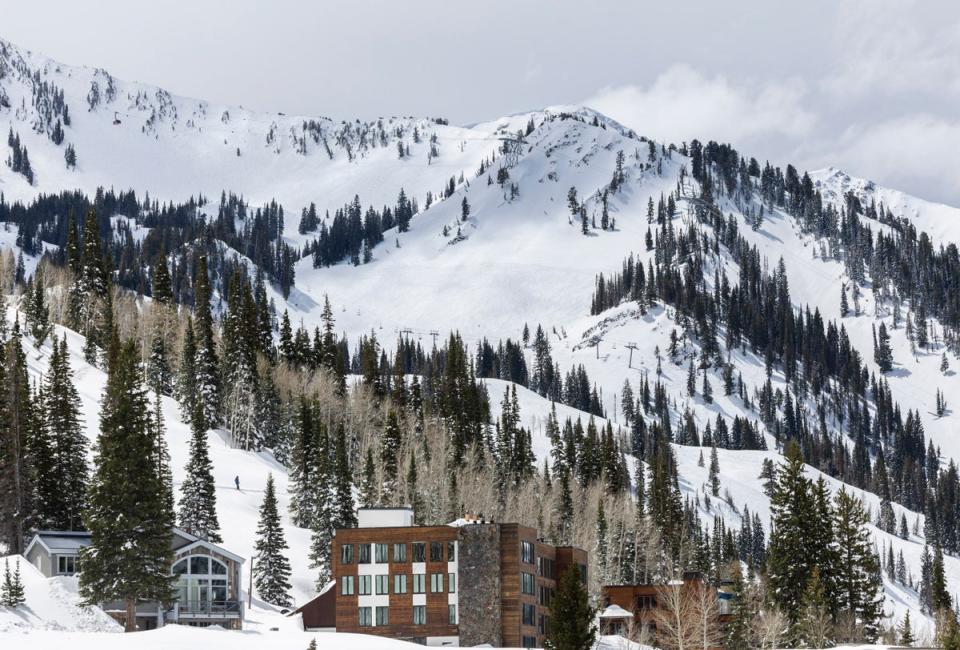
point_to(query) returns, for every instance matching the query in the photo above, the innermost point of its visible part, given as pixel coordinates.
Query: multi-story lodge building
(463, 584)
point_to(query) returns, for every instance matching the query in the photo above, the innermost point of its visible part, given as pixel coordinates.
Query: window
(529, 642)
(436, 583)
(419, 552)
(383, 585)
(451, 551)
(419, 614)
(347, 585)
(365, 617)
(436, 552)
(399, 552)
(452, 583)
(346, 554)
(529, 614)
(380, 551)
(526, 552)
(419, 583)
(545, 596)
(400, 583)
(546, 568)
(363, 551)
(383, 616)
(365, 585)
(452, 614)
(526, 583)
(583, 573)
(67, 564)
(199, 565)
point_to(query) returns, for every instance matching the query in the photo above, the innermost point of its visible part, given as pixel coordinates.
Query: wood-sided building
(464, 585)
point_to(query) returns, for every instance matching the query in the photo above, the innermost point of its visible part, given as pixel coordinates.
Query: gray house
(208, 579)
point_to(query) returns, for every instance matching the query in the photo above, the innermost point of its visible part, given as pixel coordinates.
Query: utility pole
(434, 334)
(631, 346)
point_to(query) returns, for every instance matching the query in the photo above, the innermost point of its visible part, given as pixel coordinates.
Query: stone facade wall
(480, 585)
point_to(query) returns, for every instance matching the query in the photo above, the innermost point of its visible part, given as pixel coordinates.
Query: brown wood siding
(401, 605)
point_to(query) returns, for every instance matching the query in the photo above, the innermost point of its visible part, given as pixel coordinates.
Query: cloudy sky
(872, 86)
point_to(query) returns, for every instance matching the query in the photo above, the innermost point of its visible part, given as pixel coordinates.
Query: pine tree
(857, 575)
(89, 294)
(691, 380)
(789, 557)
(186, 391)
(601, 551)
(882, 354)
(714, 477)
(343, 483)
(271, 569)
(944, 364)
(37, 312)
(197, 511)
(62, 489)
(207, 382)
(906, 631)
(129, 557)
(368, 486)
(16, 431)
(571, 615)
(12, 593)
(738, 629)
(390, 443)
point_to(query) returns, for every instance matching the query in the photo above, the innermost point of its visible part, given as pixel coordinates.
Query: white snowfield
(517, 259)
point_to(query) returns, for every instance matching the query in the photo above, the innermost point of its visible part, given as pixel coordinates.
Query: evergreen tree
(11, 591)
(882, 354)
(906, 631)
(271, 569)
(187, 376)
(714, 476)
(571, 615)
(197, 511)
(857, 573)
(368, 486)
(62, 488)
(89, 294)
(343, 483)
(17, 489)
(129, 557)
(789, 557)
(37, 312)
(206, 365)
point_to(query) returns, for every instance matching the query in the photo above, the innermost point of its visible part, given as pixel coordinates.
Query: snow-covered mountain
(519, 258)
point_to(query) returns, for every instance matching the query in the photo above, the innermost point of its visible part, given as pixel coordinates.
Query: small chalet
(208, 579)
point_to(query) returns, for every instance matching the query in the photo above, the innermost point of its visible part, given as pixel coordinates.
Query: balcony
(207, 609)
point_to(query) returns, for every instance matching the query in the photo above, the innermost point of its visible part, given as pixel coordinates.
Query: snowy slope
(517, 259)
(51, 604)
(238, 510)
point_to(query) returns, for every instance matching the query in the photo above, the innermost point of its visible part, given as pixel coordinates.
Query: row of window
(382, 615)
(418, 552)
(381, 583)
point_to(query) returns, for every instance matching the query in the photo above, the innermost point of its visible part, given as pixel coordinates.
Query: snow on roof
(615, 611)
(61, 541)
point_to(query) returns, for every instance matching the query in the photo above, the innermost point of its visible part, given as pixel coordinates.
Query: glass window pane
(399, 552)
(451, 551)
(199, 565)
(180, 568)
(381, 553)
(217, 568)
(346, 554)
(419, 552)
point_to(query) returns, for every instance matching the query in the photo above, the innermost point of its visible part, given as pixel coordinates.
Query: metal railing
(229, 608)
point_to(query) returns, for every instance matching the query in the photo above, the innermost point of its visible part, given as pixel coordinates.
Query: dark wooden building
(321, 612)
(447, 585)
(642, 601)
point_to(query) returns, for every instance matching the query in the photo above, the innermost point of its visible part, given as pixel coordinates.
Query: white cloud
(916, 153)
(682, 104)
